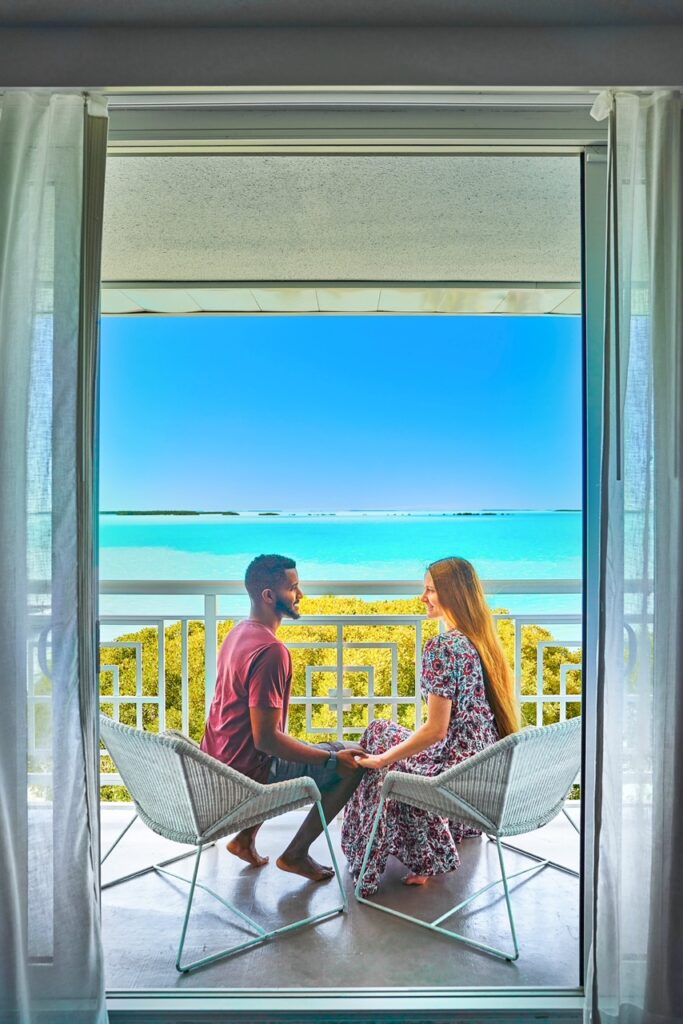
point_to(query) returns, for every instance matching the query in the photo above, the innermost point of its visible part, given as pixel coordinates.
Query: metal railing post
(340, 681)
(210, 649)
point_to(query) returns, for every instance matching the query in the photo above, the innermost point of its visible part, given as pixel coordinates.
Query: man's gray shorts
(324, 777)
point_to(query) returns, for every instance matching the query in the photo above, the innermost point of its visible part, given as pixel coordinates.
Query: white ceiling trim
(304, 96)
(465, 301)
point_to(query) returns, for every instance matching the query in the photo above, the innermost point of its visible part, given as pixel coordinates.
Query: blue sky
(332, 413)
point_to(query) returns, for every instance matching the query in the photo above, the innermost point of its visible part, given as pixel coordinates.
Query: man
(246, 728)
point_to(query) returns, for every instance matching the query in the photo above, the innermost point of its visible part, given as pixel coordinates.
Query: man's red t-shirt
(254, 671)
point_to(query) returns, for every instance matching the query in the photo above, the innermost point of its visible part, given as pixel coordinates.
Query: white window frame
(331, 122)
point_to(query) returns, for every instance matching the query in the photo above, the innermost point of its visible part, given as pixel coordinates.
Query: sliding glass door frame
(201, 125)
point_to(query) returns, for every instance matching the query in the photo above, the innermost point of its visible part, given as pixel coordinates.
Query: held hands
(346, 761)
(375, 761)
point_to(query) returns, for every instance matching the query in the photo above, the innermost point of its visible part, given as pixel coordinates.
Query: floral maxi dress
(424, 842)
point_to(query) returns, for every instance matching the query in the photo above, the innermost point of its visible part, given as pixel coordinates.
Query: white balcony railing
(352, 666)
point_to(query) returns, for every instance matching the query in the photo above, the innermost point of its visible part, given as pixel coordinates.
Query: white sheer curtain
(636, 968)
(52, 151)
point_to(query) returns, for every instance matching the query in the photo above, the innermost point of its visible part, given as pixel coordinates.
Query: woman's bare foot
(305, 866)
(244, 847)
(415, 879)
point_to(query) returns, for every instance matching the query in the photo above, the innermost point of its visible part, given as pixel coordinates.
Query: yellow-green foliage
(553, 657)
(323, 716)
(356, 683)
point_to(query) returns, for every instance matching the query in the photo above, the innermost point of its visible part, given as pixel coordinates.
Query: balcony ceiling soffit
(465, 301)
(420, 218)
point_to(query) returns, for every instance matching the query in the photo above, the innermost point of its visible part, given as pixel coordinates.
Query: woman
(469, 690)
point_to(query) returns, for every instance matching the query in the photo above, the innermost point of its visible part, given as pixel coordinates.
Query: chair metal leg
(345, 902)
(435, 926)
(151, 867)
(511, 916)
(188, 908)
(261, 934)
(200, 885)
(571, 820)
(118, 838)
(368, 851)
(536, 857)
(142, 871)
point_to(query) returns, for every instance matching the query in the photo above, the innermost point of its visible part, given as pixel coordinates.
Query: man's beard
(287, 610)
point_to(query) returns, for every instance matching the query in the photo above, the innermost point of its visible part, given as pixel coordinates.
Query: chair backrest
(521, 782)
(177, 790)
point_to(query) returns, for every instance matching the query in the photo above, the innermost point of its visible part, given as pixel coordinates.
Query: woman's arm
(433, 731)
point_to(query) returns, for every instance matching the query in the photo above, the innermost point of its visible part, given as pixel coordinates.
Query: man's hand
(346, 763)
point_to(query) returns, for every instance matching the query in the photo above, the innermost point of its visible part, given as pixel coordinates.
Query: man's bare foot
(246, 850)
(305, 866)
(415, 879)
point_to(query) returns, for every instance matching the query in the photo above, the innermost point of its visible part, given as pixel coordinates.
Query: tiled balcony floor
(142, 919)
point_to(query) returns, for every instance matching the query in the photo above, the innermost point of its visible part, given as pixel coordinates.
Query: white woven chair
(185, 795)
(514, 786)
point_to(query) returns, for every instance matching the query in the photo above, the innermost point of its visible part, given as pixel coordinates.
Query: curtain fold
(635, 974)
(52, 152)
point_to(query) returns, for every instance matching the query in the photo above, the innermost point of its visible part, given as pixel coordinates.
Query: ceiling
(398, 233)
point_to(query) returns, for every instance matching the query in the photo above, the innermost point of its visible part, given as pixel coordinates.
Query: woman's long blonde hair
(461, 596)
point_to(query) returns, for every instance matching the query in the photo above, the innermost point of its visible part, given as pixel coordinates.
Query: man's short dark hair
(266, 572)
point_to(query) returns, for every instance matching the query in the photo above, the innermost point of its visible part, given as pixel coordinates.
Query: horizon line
(323, 512)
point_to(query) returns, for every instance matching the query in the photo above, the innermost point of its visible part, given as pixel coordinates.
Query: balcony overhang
(344, 232)
(185, 298)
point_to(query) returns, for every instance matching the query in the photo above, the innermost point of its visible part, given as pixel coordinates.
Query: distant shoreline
(351, 513)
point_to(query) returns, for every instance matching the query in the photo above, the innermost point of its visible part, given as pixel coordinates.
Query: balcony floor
(142, 918)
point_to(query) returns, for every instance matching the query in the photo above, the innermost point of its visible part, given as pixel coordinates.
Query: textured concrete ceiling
(342, 218)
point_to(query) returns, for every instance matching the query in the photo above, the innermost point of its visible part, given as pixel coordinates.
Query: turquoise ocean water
(390, 546)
